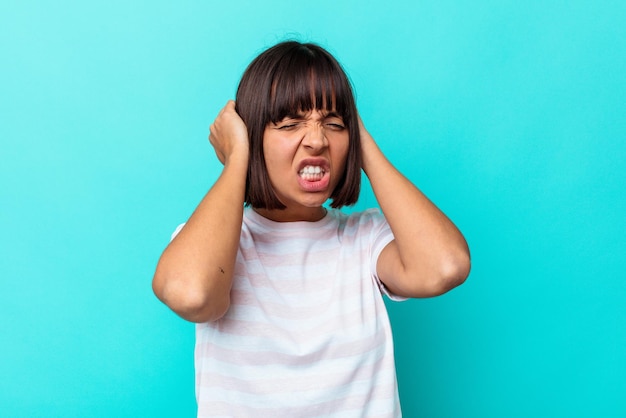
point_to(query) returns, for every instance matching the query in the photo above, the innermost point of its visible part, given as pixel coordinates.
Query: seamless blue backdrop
(508, 115)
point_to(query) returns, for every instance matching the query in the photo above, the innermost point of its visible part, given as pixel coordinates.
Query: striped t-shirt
(307, 333)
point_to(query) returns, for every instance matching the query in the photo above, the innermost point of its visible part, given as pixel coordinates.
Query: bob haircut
(288, 78)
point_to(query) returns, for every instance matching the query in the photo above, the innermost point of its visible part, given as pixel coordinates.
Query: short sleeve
(176, 231)
(380, 237)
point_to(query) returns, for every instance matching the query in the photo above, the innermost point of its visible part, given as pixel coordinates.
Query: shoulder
(365, 217)
(363, 220)
(366, 223)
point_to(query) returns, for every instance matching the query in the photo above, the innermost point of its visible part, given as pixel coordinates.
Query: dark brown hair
(287, 78)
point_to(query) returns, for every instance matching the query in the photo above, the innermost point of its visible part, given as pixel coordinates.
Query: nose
(315, 137)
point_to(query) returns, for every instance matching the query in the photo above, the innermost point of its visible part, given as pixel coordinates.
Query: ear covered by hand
(228, 133)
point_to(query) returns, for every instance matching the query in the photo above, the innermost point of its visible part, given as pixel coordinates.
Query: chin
(316, 201)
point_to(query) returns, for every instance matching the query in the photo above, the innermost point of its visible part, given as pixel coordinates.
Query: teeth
(312, 173)
(310, 169)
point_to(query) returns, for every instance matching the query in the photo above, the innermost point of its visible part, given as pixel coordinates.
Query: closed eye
(288, 126)
(335, 126)
(334, 122)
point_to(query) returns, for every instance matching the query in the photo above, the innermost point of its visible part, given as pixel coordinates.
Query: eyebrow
(333, 115)
(302, 115)
(294, 115)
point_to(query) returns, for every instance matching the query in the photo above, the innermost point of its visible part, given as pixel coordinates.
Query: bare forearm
(431, 255)
(194, 274)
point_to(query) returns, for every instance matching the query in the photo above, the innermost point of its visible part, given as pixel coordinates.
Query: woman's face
(305, 156)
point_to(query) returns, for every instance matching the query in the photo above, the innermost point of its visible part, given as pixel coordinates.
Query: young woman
(287, 294)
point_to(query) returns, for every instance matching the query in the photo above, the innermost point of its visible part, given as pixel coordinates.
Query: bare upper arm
(416, 283)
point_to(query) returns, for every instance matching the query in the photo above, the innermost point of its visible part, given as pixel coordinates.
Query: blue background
(509, 115)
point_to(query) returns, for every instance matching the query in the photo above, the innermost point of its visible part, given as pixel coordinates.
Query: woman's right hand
(195, 272)
(228, 133)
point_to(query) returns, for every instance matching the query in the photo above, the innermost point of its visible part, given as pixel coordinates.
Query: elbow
(435, 280)
(453, 272)
(448, 274)
(190, 301)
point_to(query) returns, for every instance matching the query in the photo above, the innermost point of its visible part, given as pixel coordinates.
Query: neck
(287, 215)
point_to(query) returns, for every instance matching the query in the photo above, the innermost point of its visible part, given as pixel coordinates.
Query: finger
(220, 156)
(212, 136)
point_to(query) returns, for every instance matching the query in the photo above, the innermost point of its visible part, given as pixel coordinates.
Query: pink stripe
(296, 236)
(341, 323)
(261, 292)
(248, 300)
(297, 381)
(323, 409)
(300, 258)
(287, 270)
(327, 350)
(294, 382)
